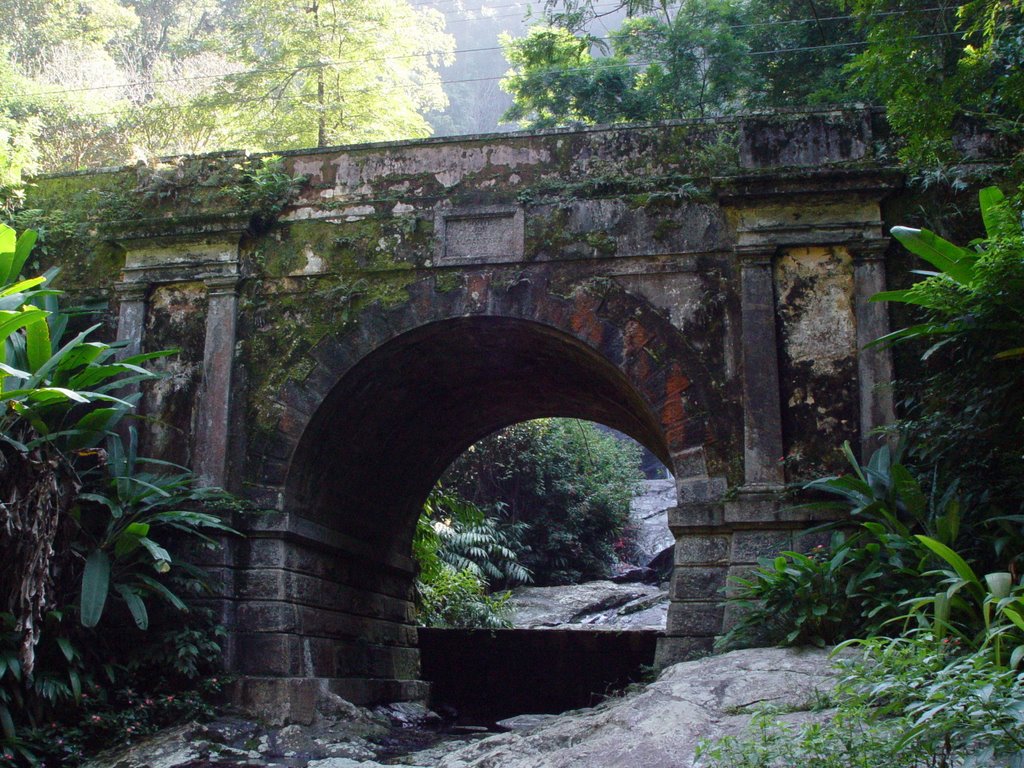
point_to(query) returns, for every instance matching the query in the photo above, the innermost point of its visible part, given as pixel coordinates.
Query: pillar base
(284, 700)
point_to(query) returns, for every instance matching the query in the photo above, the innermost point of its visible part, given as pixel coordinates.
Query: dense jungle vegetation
(106, 631)
(542, 502)
(102, 82)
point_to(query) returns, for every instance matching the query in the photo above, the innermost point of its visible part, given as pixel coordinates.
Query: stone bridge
(703, 287)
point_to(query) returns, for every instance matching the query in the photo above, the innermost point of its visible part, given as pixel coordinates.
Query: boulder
(648, 513)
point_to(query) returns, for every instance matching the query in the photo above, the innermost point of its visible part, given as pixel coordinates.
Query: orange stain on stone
(673, 416)
(585, 323)
(477, 288)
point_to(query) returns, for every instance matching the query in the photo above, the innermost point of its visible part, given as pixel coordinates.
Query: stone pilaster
(214, 403)
(131, 316)
(762, 415)
(874, 364)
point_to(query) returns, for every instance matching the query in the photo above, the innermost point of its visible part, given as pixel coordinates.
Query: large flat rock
(661, 726)
(593, 604)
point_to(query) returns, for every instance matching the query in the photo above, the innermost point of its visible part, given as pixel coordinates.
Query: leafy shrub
(89, 528)
(567, 483)
(909, 702)
(461, 553)
(965, 417)
(858, 584)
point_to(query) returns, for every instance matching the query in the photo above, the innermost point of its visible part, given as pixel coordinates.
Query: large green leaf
(990, 198)
(21, 253)
(135, 605)
(951, 259)
(8, 245)
(957, 563)
(13, 321)
(37, 344)
(95, 585)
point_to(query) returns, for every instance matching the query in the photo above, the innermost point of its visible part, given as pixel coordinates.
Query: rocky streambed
(655, 726)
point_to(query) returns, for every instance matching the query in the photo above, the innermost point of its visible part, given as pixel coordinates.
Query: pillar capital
(131, 290)
(226, 285)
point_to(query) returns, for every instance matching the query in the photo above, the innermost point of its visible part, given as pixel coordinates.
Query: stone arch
(392, 401)
(424, 381)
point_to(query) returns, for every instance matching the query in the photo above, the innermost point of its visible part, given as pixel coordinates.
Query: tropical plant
(118, 520)
(875, 560)
(469, 540)
(83, 516)
(964, 417)
(567, 483)
(985, 614)
(461, 555)
(907, 702)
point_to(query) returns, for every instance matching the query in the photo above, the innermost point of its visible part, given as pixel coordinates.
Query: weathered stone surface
(596, 603)
(658, 726)
(661, 726)
(649, 513)
(525, 722)
(415, 296)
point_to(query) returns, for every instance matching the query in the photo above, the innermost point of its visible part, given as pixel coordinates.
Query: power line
(491, 49)
(567, 70)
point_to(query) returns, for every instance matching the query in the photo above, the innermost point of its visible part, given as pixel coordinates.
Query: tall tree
(322, 72)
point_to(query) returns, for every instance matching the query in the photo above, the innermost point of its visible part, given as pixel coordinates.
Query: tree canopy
(935, 69)
(113, 81)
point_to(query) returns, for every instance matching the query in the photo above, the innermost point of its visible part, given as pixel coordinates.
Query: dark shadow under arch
(397, 418)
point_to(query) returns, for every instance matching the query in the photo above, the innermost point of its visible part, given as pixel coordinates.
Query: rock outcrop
(593, 604)
(661, 726)
(657, 726)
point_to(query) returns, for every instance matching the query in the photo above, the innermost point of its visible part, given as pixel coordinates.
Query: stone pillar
(214, 403)
(874, 364)
(699, 568)
(131, 316)
(762, 415)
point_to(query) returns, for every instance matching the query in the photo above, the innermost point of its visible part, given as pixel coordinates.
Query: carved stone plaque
(484, 234)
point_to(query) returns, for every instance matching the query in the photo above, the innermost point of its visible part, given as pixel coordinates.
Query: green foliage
(457, 599)
(965, 414)
(107, 82)
(461, 555)
(89, 527)
(692, 65)
(858, 584)
(938, 72)
(909, 702)
(566, 482)
(265, 188)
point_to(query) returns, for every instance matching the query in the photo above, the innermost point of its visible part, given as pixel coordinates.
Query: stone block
(694, 490)
(673, 649)
(263, 616)
(370, 692)
(750, 545)
(696, 515)
(737, 572)
(695, 619)
(698, 583)
(700, 548)
(277, 701)
(269, 655)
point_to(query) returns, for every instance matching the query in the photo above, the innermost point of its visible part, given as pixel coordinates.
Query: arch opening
(368, 457)
(399, 417)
